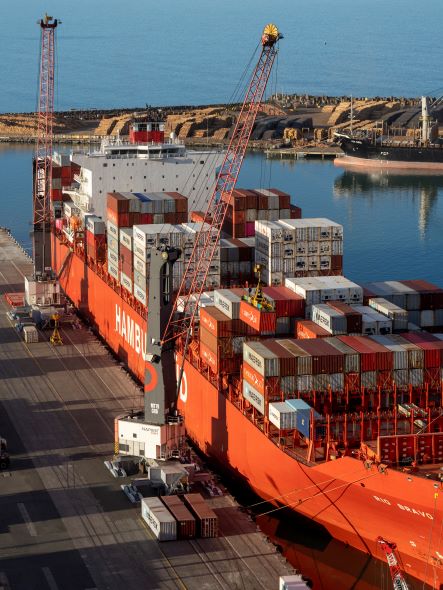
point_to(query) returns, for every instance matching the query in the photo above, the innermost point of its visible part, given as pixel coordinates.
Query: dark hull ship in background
(380, 151)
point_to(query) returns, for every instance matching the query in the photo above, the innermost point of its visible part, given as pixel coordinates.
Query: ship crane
(42, 288)
(166, 324)
(398, 580)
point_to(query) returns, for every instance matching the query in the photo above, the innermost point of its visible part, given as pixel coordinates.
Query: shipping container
(304, 414)
(286, 302)
(159, 519)
(330, 319)
(309, 329)
(351, 356)
(261, 358)
(206, 519)
(228, 301)
(282, 415)
(186, 525)
(325, 358)
(398, 315)
(262, 321)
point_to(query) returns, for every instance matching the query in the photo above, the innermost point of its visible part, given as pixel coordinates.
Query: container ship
(320, 394)
(383, 152)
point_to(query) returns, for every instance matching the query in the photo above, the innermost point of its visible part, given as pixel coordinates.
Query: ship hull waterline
(354, 503)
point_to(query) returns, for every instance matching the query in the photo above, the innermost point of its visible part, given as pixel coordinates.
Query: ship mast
(425, 120)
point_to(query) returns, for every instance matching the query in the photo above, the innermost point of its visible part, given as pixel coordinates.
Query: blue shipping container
(303, 415)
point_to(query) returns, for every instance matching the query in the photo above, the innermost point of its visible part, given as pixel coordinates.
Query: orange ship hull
(356, 504)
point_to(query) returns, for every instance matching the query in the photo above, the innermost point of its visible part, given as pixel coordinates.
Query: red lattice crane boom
(194, 278)
(43, 150)
(398, 580)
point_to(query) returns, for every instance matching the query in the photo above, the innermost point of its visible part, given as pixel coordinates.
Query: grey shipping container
(186, 525)
(159, 519)
(207, 520)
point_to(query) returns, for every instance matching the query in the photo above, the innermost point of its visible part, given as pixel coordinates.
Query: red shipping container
(287, 361)
(181, 202)
(263, 322)
(217, 345)
(432, 347)
(253, 378)
(249, 229)
(295, 212)
(219, 324)
(337, 262)
(197, 216)
(56, 171)
(126, 268)
(146, 218)
(239, 217)
(353, 318)
(56, 194)
(284, 199)
(237, 200)
(186, 525)
(368, 361)
(287, 303)
(431, 296)
(117, 202)
(220, 363)
(238, 230)
(309, 329)
(384, 356)
(125, 254)
(325, 358)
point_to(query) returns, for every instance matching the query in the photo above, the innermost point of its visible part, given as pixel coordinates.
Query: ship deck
(64, 523)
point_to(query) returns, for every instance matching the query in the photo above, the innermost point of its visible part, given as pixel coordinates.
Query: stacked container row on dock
(206, 519)
(245, 206)
(186, 525)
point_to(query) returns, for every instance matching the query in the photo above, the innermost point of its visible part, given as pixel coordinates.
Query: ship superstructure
(146, 162)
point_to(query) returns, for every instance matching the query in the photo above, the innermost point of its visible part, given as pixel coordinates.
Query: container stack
(95, 238)
(298, 248)
(237, 260)
(222, 333)
(398, 315)
(276, 368)
(316, 290)
(373, 322)
(422, 300)
(247, 206)
(206, 519)
(128, 209)
(113, 248)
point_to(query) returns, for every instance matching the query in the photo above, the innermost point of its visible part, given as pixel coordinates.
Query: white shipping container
(30, 334)
(126, 237)
(113, 257)
(140, 295)
(254, 397)
(398, 315)
(95, 225)
(261, 358)
(228, 302)
(282, 415)
(112, 229)
(159, 519)
(332, 320)
(126, 282)
(113, 270)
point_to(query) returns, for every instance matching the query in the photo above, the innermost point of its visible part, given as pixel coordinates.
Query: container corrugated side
(186, 525)
(160, 520)
(207, 520)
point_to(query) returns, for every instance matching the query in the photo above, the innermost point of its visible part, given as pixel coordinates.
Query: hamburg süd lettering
(130, 331)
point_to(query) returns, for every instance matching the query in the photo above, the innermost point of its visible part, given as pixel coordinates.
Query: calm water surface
(130, 53)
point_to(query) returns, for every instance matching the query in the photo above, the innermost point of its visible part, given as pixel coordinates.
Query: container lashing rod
(205, 245)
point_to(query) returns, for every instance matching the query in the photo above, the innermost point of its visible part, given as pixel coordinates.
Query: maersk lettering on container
(254, 397)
